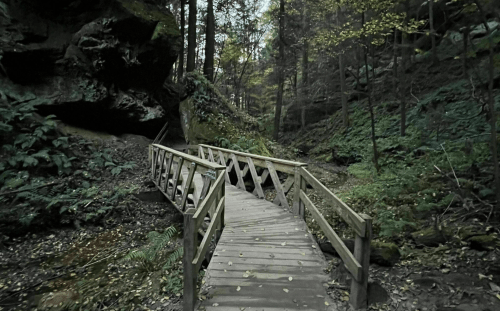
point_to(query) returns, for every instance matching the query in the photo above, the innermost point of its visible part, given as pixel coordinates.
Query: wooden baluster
(241, 183)
(222, 161)
(255, 177)
(162, 159)
(167, 172)
(176, 177)
(153, 164)
(220, 196)
(262, 180)
(244, 171)
(210, 155)
(201, 153)
(359, 290)
(190, 245)
(187, 186)
(277, 184)
(300, 184)
(287, 186)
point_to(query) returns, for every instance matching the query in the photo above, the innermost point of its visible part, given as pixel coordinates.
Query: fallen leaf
(283, 244)
(285, 290)
(313, 246)
(290, 279)
(215, 304)
(238, 289)
(241, 254)
(326, 303)
(230, 263)
(257, 239)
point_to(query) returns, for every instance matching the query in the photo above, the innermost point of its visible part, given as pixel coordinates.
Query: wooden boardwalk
(265, 260)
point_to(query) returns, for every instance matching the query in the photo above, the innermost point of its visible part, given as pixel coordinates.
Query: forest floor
(73, 266)
(70, 267)
(450, 277)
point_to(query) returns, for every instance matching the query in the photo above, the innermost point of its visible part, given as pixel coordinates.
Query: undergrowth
(43, 181)
(441, 164)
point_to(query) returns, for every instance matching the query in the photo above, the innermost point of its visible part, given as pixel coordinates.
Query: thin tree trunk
(433, 35)
(370, 107)
(281, 58)
(404, 77)
(180, 71)
(191, 54)
(305, 66)
(343, 88)
(395, 65)
(491, 107)
(208, 67)
(464, 58)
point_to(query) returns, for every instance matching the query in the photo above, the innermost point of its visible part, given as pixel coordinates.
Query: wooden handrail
(167, 174)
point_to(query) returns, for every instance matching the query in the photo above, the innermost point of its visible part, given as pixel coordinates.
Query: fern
(151, 256)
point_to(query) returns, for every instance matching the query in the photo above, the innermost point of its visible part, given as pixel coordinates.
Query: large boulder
(97, 63)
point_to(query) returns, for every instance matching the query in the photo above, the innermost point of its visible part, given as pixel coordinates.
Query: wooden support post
(190, 275)
(359, 290)
(187, 186)
(220, 196)
(201, 153)
(162, 159)
(222, 161)
(287, 186)
(210, 155)
(176, 177)
(300, 184)
(153, 164)
(255, 177)
(277, 184)
(241, 183)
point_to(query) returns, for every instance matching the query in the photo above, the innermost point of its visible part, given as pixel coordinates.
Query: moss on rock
(384, 254)
(483, 242)
(167, 26)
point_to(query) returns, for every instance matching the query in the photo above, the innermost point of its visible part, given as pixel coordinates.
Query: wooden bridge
(264, 257)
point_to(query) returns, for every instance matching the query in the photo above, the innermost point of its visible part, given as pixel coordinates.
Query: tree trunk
(370, 107)
(491, 107)
(180, 70)
(433, 36)
(281, 61)
(343, 88)
(305, 67)
(208, 67)
(395, 65)
(405, 55)
(191, 54)
(464, 58)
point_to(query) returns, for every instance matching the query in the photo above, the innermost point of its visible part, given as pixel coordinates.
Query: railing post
(190, 245)
(358, 296)
(299, 184)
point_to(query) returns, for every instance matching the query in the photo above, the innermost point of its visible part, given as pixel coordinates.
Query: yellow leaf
(238, 289)
(285, 290)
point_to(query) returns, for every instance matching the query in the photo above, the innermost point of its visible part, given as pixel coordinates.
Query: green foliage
(154, 255)
(243, 144)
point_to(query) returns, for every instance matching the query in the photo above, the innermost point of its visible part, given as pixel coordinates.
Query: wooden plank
(350, 262)
(277, 184)
(241, 183)
(255, 177)
(190, 274)
(176, 177)
(359, 289)
(187, 185)
(344, 211)
(206, 203)
(190, 158)
(222, 161)
(162, 158)
(167, 171)
(258, 157)
(211, 156)
(205, 243)
(201, 153)
(287, 186)
(300, 184)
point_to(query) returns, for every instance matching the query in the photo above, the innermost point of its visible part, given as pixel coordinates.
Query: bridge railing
(299, 178)
(174, 174)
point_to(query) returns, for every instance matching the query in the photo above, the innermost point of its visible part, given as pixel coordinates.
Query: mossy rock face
(384, 254)
(483, 242)
(198, 131)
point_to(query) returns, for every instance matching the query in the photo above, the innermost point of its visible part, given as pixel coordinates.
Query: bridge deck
(265, 260)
